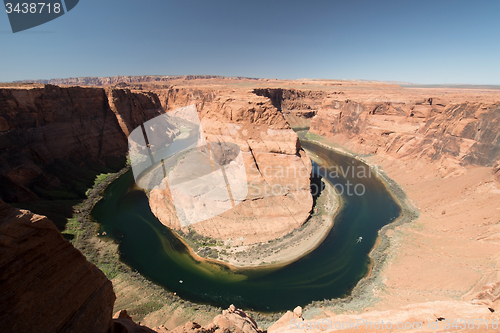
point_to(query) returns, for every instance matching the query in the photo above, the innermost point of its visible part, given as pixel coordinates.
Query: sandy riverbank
(452, 251)
(365, 294)
(436, 265)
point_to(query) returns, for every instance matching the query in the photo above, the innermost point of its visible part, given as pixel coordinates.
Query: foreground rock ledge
(46, 285)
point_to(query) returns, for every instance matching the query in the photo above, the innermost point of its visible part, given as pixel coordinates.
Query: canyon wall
(42, 125)
(447, 130)
(46, 285)
(451, 135)
(298, 106)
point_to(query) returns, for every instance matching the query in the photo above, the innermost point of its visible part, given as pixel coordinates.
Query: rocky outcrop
(298, 106)
(288, 318)
(452, 135)
(496, 171)
(451, 129)
(41, 125)
(231, 320)
(278, 172)
(123, 323)
(418, 317)
(294, 100)
(132, 109)
(235, 320)
(46, 285)
(489, 296)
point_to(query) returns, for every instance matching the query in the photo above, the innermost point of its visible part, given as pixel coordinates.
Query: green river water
(330, 271)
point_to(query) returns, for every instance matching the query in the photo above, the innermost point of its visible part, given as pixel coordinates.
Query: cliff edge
(46, 285)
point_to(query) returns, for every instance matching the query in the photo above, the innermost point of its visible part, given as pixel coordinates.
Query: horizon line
(210, 76)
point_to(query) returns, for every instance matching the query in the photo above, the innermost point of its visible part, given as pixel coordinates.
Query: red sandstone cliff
(452, 129)
(41, 125)
(46, 285)
(465, 133)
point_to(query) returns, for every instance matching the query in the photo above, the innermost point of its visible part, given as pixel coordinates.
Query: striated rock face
(131, 109)
(278, 171)
(453, 135)
(46, 285)
(293, 100)
(489, 296)
(298, 106)
(452, 129)
(41, 125)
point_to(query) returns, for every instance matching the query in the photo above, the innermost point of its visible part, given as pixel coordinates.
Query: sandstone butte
(440, 144)
(273, 159)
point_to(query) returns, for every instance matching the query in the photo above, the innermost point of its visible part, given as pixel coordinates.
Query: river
(330, 271)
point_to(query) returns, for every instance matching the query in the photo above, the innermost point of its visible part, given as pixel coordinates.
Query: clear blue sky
(416, 41)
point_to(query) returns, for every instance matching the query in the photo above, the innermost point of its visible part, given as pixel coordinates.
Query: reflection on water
(330, 271)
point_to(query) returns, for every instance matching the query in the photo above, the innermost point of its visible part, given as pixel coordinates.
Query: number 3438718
(33, 8)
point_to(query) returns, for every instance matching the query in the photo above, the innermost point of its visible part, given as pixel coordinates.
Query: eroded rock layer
(451, 129)
(46, 285)
(453, 135)
(41, 125)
